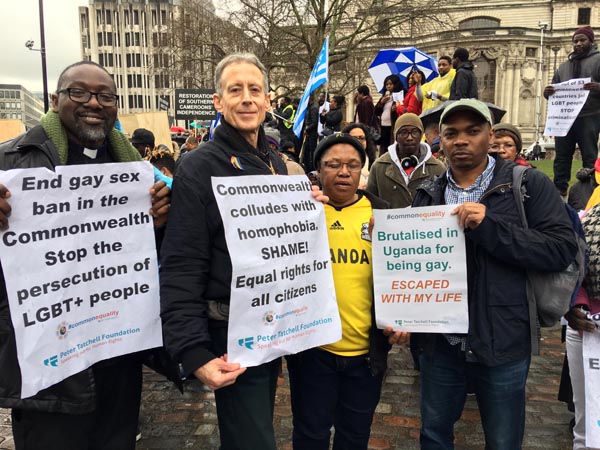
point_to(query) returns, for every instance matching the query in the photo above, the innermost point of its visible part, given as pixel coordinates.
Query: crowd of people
(391, 154)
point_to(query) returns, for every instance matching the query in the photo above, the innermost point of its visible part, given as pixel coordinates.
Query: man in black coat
(464, 84)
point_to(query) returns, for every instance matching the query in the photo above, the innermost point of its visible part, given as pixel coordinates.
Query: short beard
(91, 138)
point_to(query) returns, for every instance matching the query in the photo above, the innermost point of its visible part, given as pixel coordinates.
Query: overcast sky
(20, 23)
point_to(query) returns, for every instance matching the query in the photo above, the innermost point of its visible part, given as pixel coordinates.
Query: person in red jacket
(411, 103)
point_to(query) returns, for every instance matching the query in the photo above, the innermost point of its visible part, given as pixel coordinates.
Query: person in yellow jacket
(437, 90)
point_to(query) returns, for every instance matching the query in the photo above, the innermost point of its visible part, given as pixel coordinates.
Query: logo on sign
(246, 342)
(52, 361)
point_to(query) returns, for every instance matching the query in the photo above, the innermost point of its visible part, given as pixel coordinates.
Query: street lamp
(538, 100)
(555, 49)
(30, 43)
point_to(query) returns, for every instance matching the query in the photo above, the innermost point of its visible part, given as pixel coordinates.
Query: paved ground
(171, 421)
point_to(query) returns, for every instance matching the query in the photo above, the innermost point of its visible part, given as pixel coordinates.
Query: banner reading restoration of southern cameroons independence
(79, 259)
(282, 292)
(420, 270)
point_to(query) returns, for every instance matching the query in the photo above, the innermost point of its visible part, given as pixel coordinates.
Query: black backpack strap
(519, 192)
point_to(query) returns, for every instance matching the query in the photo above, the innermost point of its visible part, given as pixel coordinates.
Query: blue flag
(318, 77)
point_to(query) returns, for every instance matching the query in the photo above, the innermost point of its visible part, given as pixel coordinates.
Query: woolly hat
(338, 138)
(461, 53)
(512, 132)
(273, 136)
(143, 136)
(408, 119)
(587, 31)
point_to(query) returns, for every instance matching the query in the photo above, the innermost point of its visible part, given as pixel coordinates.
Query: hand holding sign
(4, 207)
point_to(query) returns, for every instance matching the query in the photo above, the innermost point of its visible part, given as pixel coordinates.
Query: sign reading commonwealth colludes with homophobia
(419, 270)
(282, 291)
(79, 260)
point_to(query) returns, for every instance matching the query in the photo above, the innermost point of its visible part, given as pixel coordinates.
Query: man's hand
(396, 337)
(470, 214)
(161, 201)
(318, 195)
(578, 320)
(4, 207)
(592, 86)
(219, 373)
(548, 91)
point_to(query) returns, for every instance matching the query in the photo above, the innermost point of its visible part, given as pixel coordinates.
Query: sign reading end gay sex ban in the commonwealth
(79, 260)
(282, 292)
(419, 270)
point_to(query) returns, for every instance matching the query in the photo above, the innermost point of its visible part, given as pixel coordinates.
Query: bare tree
(290, 33)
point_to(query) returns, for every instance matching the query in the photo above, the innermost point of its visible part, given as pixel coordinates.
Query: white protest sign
(564, 106)
(282, 292)
(591, 370)
(80, 265)
(419, 270)
(398, 97)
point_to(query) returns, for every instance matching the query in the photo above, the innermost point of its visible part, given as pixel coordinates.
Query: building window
(126, 14)
(98, 17)
(583, 16)
(475, 23)
(154, 18)
(163, 17)
(108, 17)
(136, 17)
(109, 39)
(485, 70)
(530, 52)
(100, 44)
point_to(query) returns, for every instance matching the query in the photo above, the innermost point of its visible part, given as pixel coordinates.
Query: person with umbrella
(411, 103)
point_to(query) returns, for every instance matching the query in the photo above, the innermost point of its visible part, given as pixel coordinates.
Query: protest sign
(79, 259)
(282, 291)
(591, 370)
(419, 270)
(564, 106)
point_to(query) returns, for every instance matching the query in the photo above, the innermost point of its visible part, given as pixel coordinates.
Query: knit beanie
(587, 31)
(408, 119)
(512, 132)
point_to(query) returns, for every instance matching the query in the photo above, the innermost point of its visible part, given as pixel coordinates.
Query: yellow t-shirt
(350, 248)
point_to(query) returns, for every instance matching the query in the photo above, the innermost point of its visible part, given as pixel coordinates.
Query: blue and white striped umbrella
(401, 61)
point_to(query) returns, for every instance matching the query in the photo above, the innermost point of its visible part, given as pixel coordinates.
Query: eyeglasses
(83, 96)
(504, 146)
(415, 132)
(353, 166)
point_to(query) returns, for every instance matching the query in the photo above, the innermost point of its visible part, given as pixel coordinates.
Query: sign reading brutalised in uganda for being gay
(282, 291)
(419, 270)
(79, 259)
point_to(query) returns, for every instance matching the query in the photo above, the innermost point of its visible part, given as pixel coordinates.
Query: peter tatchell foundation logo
(62, 330)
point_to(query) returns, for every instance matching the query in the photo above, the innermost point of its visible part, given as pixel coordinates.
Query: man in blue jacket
(493, 358)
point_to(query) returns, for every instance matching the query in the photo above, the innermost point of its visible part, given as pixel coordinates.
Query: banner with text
(420, 270)
(79, 259)
(194, 104)
(282, 292)
(564, 106)
(591, 370)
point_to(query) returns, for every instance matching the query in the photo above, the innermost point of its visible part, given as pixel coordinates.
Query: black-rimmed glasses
(83, 96)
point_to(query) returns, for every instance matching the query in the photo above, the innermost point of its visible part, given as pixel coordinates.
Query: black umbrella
(433, 115)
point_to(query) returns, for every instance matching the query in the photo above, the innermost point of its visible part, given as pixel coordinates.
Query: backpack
(550, 294)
